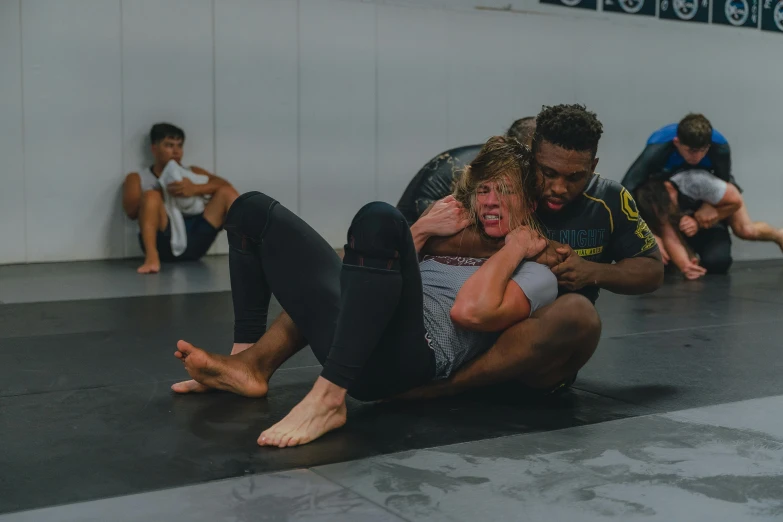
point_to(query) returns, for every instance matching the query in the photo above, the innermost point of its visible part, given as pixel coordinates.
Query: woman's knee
(248, 216)
(378, 230)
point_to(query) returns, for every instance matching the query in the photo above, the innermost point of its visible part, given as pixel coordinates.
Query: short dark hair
(652, 200)
(522, 129)
(161, 131)
(695, 131)
(571, 127)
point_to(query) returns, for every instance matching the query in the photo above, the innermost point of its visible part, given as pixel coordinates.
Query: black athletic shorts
(201, 235)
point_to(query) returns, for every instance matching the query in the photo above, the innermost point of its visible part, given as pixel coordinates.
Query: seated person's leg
(541, 352)
(744, 228)
(714, 249)
(217, 208)
(203, 229)
(153, 220)
(380, 296)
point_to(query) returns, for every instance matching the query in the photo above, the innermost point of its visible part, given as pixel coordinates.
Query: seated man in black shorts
(436, 179)
(143, 199)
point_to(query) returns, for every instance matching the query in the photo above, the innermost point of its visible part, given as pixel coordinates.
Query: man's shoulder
(603, 188)
(614, 195)
(718, 138)
(663, 135)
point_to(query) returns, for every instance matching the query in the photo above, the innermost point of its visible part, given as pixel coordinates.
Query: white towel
(177, 207)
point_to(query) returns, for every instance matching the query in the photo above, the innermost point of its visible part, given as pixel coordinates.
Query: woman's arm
(489, 300)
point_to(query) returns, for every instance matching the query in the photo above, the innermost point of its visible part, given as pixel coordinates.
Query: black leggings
(363, 317)
(714, 248)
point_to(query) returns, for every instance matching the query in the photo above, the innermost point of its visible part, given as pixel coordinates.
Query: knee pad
(376, 237)
(247, 218)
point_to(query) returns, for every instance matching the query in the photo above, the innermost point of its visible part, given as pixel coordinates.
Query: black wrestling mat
(86, 411)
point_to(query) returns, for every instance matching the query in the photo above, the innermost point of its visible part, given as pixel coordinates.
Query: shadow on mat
(642, 395)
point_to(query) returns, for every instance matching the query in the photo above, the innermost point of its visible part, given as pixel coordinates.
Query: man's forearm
(467, 243)
(420, 236)
(633, 276)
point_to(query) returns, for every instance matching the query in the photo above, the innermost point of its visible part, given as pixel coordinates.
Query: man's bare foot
(220, 372)
(151, 265)
(321, 411)
(193, 386)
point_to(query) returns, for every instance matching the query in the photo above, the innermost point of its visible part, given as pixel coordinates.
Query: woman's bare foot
(220, 372)
(151, 265)
(321, 411)
(193, 386)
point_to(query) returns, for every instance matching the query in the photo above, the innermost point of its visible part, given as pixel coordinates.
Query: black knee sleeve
(248, 218)
(376, 237)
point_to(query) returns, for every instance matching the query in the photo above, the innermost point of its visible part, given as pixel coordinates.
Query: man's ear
(676, 141)
(595, 164)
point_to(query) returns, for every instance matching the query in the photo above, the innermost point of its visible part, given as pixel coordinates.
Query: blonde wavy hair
(509, 164)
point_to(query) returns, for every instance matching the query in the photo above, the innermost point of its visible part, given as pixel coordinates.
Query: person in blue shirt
(691, 144)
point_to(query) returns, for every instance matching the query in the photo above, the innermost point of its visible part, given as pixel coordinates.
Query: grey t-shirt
(700, 185)
(442, 277)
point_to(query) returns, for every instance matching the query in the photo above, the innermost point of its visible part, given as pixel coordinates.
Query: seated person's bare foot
(220, 372)
(193, 386)
(151, 265)
(321, 411)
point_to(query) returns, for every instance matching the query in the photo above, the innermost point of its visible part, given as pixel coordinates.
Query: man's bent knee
(228, 192)
(746, 232)
(716, 264)
(580, 313)
(151, 198)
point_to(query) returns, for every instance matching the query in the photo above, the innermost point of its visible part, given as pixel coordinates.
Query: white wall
(327, 104)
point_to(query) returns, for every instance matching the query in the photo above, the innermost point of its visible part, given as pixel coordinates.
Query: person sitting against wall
(661, 202)
(436, 179)
(181, 222)
(693, 144)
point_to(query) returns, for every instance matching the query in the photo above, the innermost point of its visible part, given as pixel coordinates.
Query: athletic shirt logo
(571, 3)
(777, 15)
(737, 11)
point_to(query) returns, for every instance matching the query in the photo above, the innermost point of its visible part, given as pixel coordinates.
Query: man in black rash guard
(435, 180)
(380, 322)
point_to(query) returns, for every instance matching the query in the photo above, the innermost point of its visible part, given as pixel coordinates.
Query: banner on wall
(579, 4)
(772, 15)
(739, 13)
(685, 10)
(635, 7)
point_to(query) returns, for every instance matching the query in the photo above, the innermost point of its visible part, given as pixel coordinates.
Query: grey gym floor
(679, 416)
